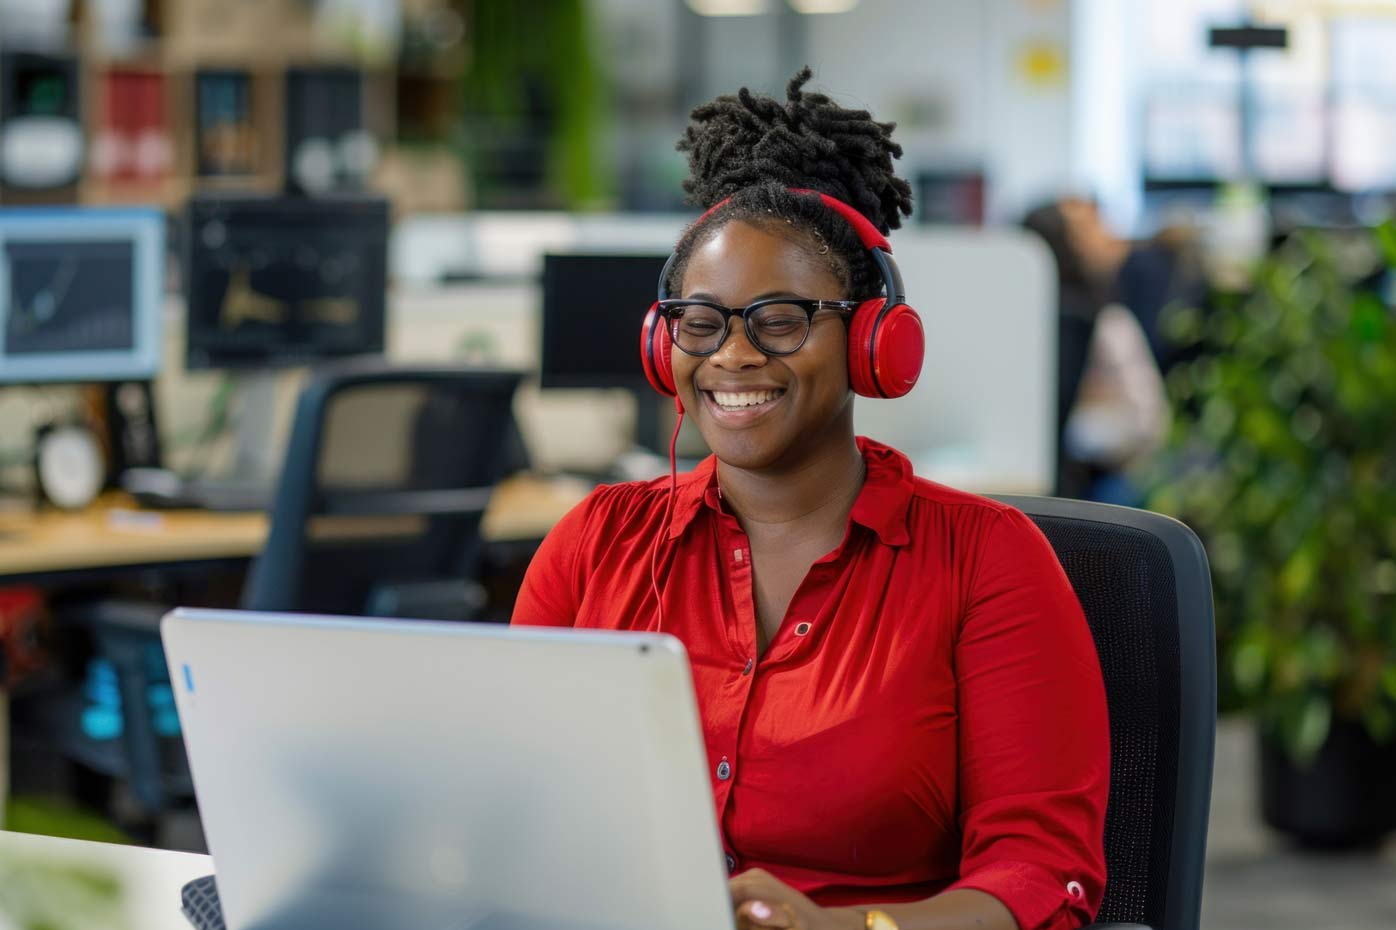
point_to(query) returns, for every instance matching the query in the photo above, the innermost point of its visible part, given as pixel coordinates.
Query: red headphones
(886, 343)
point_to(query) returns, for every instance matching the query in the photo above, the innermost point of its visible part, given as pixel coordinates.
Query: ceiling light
(728, 7)
(823, 6)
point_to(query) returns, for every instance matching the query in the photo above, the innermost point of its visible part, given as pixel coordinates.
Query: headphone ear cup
(655, 349)
(860, 334)
(885, 349)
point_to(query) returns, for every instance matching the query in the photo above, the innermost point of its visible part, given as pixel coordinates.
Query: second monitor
(279, 281)
(593, 307)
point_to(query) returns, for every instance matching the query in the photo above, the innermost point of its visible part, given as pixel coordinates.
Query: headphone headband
(868, 234)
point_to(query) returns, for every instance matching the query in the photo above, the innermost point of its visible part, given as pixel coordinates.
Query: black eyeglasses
(776, 326)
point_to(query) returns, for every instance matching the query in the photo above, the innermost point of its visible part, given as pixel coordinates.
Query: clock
(69, 464)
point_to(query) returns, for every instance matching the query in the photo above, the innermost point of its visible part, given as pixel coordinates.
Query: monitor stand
(256, 455)
(251, 483)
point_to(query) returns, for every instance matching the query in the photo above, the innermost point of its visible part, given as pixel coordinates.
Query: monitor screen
(593, 307)
(81, 293)
(279, 281)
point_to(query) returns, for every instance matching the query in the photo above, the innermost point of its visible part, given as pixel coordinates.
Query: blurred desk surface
(115, 534)
(150, 879)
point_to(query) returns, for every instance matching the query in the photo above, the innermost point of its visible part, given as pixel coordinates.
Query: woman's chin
(739, 450)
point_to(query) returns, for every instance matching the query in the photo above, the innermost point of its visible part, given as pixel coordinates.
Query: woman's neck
(817, 493)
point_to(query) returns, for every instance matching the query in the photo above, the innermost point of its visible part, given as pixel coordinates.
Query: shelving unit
(201, 101)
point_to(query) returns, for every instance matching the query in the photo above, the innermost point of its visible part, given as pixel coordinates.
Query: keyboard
(161, 489)
(201, 904)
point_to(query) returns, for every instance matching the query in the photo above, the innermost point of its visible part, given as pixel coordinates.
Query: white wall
(949, 72)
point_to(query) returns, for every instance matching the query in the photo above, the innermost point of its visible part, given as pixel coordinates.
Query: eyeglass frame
(811, 306)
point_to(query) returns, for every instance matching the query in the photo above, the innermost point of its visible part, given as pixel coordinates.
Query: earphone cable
(668, 513)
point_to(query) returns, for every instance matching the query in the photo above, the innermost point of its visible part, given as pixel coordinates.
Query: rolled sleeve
(1034, 736)
(1033, 895)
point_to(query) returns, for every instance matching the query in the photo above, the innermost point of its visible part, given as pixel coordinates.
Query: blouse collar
(881, 504)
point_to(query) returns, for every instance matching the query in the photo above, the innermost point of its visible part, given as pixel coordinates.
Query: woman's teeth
(744, 399)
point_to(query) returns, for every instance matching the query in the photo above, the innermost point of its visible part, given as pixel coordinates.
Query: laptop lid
(371, 774)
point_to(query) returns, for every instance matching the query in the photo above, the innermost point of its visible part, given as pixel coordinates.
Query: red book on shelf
(133, 142)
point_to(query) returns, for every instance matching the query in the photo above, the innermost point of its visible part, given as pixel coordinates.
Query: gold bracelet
(878, 920)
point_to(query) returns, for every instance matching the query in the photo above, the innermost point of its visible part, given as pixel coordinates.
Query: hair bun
(747, 140)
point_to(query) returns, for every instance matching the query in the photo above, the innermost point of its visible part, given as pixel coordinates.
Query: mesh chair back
(387, 474)
(1144, 586)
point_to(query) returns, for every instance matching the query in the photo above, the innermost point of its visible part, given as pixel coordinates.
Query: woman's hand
(760, 901)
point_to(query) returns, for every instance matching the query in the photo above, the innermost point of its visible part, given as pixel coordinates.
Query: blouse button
(750, 664)
(731, 865)
(724, 770)
(1075, 890)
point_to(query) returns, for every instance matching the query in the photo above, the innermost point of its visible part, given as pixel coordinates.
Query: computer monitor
(593, 306)
(283, 281)
(950, 197)
(81, 293)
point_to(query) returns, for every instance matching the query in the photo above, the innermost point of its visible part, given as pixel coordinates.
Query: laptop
(362, 774)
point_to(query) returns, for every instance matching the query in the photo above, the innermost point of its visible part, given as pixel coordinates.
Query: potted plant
(1283, 457)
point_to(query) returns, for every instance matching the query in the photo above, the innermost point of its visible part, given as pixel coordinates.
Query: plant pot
(1345, 800)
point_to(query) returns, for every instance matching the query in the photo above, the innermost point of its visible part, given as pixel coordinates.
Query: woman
(900, 699)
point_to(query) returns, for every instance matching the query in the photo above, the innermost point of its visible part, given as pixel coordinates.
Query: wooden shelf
(266, 39)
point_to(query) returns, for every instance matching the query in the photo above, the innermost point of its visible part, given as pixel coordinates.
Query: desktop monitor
(950, 197)
(81, 293)
(283, 281)
(593, 306)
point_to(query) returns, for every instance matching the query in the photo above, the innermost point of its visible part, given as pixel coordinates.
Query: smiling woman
(900, 699)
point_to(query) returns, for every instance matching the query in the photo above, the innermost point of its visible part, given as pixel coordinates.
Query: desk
(151, 879)
(115, 535)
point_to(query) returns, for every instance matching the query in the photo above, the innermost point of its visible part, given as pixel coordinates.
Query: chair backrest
(1144, 586)
(387, 474)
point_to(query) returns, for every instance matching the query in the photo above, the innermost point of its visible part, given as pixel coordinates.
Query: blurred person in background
(1112, 409)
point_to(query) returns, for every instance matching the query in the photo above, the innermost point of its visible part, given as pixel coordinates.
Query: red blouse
(929, 715)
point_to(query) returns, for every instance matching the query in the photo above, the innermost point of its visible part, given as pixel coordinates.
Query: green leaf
(1312, 729)
(1249, 663)
(1386, 240)
(1380, 721)
(1299, 573)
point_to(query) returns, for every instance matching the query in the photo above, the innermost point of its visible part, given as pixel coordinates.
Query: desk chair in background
(1146, 591)
(386, 478)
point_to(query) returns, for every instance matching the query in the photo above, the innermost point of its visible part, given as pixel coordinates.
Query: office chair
(385, 481)
(1145, 588)
(386, 477)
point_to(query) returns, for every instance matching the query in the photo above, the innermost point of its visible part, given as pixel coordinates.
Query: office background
(1150, 242)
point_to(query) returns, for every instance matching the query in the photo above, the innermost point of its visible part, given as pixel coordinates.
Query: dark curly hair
(752, 148)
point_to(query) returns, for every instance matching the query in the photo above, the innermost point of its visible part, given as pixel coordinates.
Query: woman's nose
(737, 351)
